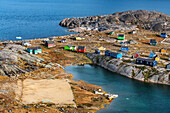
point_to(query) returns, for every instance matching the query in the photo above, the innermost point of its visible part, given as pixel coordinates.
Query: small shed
(81, 49)
(115, 55)
(150, 62)
(135, 55)
(152, 54)
(63, 40)
(132, 32)
(153, 42)
(140, 60)
(112, 33)
(79, 38)
(164, 35)
(107, 53)
(168, 66)
(49, 43)
(121, 37)
(124, 48)
(162, 50)
(157, 58)
(97, 51)
(69, 47)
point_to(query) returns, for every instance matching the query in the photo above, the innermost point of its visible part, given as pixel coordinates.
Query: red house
(81, 49)
(49, 43)
(135, 55)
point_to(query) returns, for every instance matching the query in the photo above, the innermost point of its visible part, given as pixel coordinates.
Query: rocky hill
(131, 70)
(14, 60)
(149, 20)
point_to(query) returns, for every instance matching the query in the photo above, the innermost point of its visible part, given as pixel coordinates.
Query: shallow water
(134, 96)
(40, 18)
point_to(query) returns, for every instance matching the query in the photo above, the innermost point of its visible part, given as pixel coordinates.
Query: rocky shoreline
(128, 20)
(131, 70)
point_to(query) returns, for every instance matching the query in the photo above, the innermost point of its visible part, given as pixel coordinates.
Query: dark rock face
(149, 20)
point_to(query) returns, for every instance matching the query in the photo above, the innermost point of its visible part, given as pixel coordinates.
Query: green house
(121, 37)
(69, 47)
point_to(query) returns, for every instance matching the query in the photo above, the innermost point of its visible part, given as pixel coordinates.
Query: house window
(141, 61)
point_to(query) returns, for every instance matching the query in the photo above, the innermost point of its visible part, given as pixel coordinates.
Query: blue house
(97, 51)
(152, 54)
(164, 35)
(63, 40)
(107, 52)
(124, 48)
(153, 42)
(34, 50)
(115, 55)
(140, 60)
(150, 62)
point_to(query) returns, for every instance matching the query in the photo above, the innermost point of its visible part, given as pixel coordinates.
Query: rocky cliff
(131, 70)
(149, 20)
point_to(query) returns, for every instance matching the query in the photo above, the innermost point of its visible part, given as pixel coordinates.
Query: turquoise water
(134, 96)
(40, 18)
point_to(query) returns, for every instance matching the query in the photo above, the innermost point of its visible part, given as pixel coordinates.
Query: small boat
(112, 96)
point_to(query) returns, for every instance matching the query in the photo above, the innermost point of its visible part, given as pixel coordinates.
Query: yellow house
(157, 58)
(102, 48)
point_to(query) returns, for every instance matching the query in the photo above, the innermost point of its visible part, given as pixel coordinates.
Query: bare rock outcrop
(149, 20)
(131, 70)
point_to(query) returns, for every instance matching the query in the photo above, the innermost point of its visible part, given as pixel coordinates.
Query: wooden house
(121, 37)
(34, 50)
(164, 35)
(153, 42)
(150, 62)
(63, 40)
(135, 55)
(124, 48)
(123, 53)
(140, 60)
(97, 51)
(115, 55)
(69, 47)
(107, 53)
(162, 50)
(157, 58)
(49, 43)
(81, 49)
(26, 43)
(152, 54)
(168, 66)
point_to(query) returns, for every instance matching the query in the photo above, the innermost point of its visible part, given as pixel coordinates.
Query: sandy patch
(48, 91)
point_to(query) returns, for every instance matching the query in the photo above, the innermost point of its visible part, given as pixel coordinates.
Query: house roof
(143, 59)
(108, 51)
(163, 33)
(153, 41)
(124, 47)
(50, 42)
(121, 35)
(70, 45)
(149, 60)
(81, 47)
(33, 48)
(114, 53)
(163, 48)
